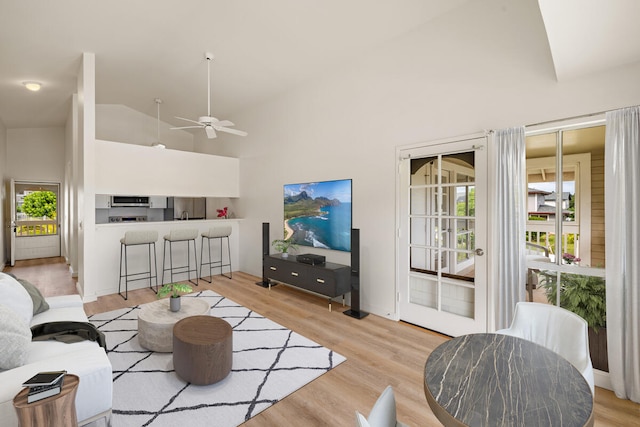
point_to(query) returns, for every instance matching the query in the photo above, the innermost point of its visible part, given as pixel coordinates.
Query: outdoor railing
(29, 228)
(543, 233)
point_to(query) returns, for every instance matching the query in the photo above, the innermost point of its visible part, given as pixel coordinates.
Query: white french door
(442, 267)
(34, 231)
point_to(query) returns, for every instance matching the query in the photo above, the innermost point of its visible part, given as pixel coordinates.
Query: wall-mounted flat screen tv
(318, 214)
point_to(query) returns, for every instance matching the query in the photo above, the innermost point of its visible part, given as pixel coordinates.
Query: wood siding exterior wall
(597, 208)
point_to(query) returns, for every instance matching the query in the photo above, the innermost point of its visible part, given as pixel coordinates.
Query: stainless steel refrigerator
(189, 208)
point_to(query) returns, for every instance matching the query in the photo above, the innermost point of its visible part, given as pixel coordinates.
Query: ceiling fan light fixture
(32, 86)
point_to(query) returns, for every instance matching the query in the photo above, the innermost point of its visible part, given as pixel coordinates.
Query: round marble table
(500, 380)
(156, 321)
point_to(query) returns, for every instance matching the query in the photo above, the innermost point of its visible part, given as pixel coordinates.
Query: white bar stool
(137, 238)
(176, 236)
(222, 232)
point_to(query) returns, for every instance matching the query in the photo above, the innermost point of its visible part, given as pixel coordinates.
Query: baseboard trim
(74, 273)
(602, 379)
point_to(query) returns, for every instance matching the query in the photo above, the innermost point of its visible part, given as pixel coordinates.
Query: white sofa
(21, 358)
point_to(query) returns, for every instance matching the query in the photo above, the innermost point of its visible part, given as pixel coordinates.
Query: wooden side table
(202, 349)
(54, 411)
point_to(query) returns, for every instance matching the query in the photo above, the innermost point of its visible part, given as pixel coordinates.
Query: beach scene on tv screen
(318, 214)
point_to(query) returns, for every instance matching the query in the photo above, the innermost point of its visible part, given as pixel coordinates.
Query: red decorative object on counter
(222, 213)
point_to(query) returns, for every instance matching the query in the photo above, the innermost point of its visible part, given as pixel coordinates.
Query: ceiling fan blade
(233, 131)
(189, 120)
(187, 127)
(210, 132)
(224, 123)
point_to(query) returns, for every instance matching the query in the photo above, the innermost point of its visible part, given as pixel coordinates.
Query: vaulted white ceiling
(587, 36)
(148, 49)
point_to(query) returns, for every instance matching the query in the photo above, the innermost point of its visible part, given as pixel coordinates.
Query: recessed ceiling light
(32, 86)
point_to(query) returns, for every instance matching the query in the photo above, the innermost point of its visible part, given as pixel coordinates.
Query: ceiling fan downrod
(209, 57)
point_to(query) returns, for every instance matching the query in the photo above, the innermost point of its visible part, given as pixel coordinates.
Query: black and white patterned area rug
(269, 363)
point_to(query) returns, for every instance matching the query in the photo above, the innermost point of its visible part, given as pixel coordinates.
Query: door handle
(479, 252)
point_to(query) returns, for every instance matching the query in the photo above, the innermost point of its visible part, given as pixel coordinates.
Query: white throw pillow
(15, 297)
(15, 337)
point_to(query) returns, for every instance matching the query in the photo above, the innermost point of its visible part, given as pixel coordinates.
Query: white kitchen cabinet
(157, 202)
(103, 201)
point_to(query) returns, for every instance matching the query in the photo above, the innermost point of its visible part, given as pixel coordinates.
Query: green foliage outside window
(40, 204)
(468, 207)
(581, 294)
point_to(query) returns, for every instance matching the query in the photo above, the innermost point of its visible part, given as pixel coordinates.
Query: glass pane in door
(423, 290)
(458, 299)
(442, 233)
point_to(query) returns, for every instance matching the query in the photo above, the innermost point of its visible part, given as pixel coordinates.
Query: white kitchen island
(108, 251)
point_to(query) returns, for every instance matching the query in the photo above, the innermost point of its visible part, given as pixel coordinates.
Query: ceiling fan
(208, 123)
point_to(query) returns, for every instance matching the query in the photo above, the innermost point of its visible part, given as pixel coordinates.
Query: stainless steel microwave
(129, 201)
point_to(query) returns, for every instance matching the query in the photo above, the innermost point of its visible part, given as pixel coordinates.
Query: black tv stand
(328, 279)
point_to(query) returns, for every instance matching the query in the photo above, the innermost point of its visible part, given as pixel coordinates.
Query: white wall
(3, 193)
(85, 178)
(72, 164)
(123, 124)
(32, 154)
(484, 66)
(36, 154)
(138, 169)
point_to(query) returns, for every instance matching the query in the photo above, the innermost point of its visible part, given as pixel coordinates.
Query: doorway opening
(35, 231)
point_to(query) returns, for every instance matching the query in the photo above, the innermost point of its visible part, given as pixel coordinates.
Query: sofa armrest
(64, 301)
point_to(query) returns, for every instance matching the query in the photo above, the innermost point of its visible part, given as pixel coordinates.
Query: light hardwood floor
(379, 352)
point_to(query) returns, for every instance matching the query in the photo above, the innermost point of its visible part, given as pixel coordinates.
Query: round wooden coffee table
(57, 410)
(202, 349)
(155, 321)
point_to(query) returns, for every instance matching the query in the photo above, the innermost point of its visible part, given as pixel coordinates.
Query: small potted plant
(283, 245)
(570, 258)
(174, 289)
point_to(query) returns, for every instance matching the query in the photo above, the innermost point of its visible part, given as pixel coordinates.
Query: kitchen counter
(108, 249)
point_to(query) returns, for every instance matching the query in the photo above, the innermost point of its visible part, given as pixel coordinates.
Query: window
(546, 203)
(570, 272)
(36, 212)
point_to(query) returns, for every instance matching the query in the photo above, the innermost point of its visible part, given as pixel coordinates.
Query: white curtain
(622, 225)
(510, 222)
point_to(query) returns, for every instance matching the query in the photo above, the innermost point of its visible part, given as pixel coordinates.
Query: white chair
(137, 238)
(216, 233)
(176, 236)
(383, 413)
(557, 329)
